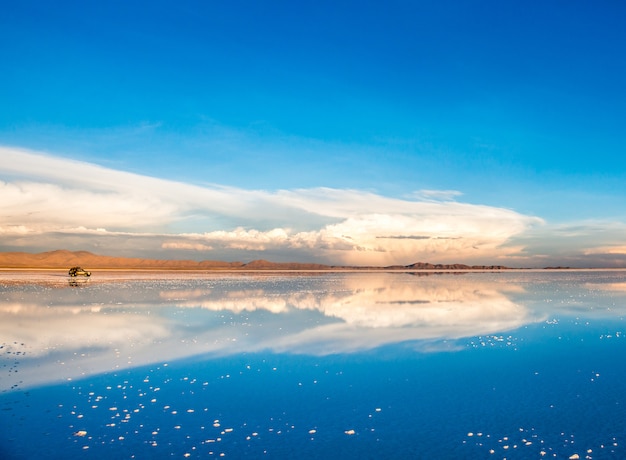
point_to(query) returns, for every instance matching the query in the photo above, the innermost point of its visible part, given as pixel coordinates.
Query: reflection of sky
(117, 321)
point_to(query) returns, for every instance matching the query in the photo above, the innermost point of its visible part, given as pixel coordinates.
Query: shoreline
(329, 270)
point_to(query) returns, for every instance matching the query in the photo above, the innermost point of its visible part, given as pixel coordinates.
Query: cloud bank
(49, 202)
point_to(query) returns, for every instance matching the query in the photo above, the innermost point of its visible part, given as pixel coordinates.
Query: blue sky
(336, 132)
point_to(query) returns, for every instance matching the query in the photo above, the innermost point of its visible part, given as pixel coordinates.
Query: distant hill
(66, 259)
(62, 259)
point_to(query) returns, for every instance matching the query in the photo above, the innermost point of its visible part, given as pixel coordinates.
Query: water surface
(319, 365)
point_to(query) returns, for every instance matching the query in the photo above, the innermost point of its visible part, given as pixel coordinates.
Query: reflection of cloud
(122, 320)
(449, 310)
(385, 301)
(116, 323)
(611, 287)
(75, 328)
(55, 202)
(443, 314)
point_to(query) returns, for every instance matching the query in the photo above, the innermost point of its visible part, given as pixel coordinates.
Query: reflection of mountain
(123, 321)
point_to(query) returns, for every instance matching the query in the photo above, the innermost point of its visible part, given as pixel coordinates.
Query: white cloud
(617, 249)
(52, 198)
(187, 246)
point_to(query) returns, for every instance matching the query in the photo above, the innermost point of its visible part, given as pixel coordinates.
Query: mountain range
(66, 259)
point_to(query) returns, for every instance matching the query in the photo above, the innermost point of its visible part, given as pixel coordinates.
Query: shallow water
(320, 365)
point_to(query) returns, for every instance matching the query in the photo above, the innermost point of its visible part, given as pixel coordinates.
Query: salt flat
(244, 364)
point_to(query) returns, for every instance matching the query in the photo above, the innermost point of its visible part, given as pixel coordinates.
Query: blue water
(357, 365)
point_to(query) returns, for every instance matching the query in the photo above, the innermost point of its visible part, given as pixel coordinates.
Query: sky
(344, 132)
